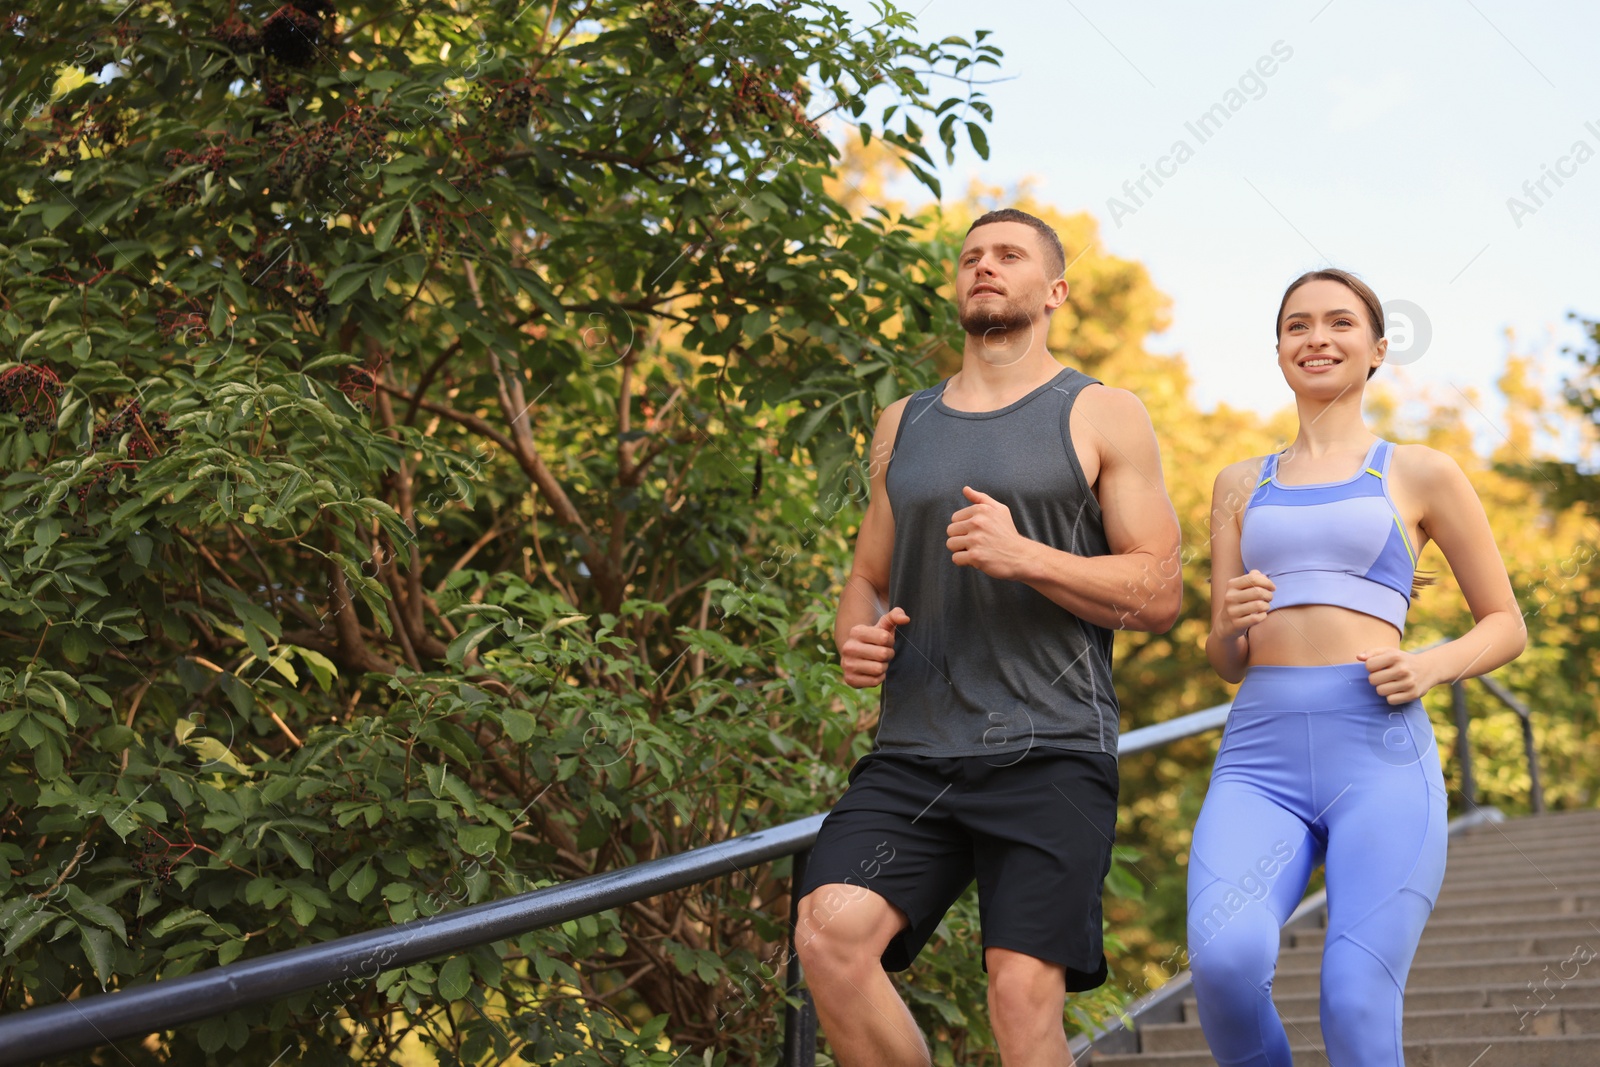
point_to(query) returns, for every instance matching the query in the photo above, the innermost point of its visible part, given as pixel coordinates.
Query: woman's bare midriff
(1315, 635)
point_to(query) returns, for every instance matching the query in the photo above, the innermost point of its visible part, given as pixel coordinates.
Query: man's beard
(988, 321)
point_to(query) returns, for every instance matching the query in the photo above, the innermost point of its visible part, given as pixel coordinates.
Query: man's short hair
(1055, 257)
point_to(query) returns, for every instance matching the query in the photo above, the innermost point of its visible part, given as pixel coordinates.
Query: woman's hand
(1400, 676)
(1246, 602)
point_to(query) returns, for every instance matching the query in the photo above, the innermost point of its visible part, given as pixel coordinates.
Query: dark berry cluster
(213, 158)
(759, 95)
(290, 36)
(174, 321)
(30, 392)
(150, 435)
(668, 21)
(155, 855)
(289, 282)
(514, 101)
(360, 383)
(102, 477)
(275, 95)
(236, 35)
(353, 140)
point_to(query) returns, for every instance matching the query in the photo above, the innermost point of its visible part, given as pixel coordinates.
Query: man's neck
(985, 383)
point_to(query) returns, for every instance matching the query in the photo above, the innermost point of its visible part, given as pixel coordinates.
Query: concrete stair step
(1567, 843)
(1533, 847)
(1584, 943)
(1529, 871)
(1429, 975)
(1551, 902)
(1479, 892)
(1421, 1025)
(1507, 974)
(1577, 925)
(1579, 858)
(1549, 818)
(1554, 850)
(1568, 848)
(1575, 1050)
(1526, 996)
(1532, 826)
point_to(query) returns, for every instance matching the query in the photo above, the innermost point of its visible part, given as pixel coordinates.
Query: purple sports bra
(1338, 543)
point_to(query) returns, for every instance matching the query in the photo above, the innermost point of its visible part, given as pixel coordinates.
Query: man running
(1022, 521)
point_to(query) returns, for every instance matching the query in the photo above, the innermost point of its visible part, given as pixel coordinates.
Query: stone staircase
(1507, 975)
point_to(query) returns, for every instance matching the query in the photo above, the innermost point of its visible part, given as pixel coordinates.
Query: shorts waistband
(1273, 687)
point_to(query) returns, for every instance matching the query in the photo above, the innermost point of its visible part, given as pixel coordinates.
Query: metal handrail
(28, 1036)
(1464, 751)
(75, 1025)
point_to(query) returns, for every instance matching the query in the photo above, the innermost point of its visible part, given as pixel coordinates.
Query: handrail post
(799, 1021)
(1535, 790)
(1458, 699)
(1506, 697)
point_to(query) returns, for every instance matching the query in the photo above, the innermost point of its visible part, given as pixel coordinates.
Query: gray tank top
(990, 666)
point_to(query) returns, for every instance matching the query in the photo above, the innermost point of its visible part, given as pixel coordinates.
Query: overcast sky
(1383, 138)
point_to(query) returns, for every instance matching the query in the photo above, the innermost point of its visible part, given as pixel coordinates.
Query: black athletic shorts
(1035, 828)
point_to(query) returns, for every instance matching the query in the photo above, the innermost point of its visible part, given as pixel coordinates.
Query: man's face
(1002, 282)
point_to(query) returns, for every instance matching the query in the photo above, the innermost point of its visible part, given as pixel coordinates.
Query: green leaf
(466, 642)
(299, 848)
(280, 662)
(47, 532)
(979, 139)
(86, 907)
(519, 725)
(455, 978)
(32, 922)
(348, 284)
(362, 882)
(47, 759)
(239, 693)
(212, 751)
(257, 643)
(386, 231)
(54, 214)
(98, 948)
(322, 668)
(114, 738)
(139, 547)
(478, 840)
(305, 912)
(213, 1034)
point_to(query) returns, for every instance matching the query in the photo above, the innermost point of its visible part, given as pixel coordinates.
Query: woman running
(1328, 756)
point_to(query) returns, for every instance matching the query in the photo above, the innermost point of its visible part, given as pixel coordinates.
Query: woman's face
(1325, 341)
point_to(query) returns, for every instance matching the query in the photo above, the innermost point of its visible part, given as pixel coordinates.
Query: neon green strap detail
(1406, 540)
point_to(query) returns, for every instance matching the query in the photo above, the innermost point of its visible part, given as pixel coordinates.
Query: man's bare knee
(841, 927)
(1027, 995)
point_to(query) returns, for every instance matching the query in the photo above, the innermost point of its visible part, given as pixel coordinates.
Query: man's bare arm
(861, 631)
(1139, 585)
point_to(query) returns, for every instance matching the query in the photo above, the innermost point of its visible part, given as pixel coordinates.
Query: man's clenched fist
(866, 653)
